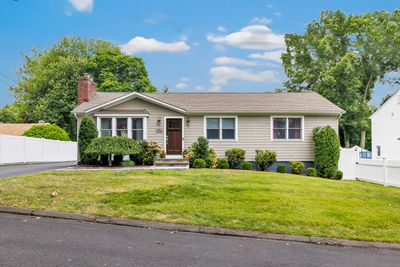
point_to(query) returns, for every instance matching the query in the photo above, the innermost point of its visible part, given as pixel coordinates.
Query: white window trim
(220, 127)
(114, 123)
(287, 129)
(165, 131)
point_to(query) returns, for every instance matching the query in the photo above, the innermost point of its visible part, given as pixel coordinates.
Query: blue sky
(223, 45)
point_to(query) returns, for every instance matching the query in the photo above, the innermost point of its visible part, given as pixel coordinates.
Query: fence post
(24, 148)
(1, 150)
(384, 172)
(356, 165)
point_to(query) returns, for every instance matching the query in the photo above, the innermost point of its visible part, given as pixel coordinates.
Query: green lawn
(268, 202)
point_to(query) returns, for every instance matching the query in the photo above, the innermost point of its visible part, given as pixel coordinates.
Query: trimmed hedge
(235, 156)
(52, 132)
(87, 132)
(297, 167)
(222, 164)
(339, 175)
(246, 165)
(199, 163)
(264, 159)
(326, 151)
(128, 163)
(281, 168)
(112, 145)
(311, 172)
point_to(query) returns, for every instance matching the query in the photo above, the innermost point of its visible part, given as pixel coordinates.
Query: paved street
(30, 241)
(13, 170)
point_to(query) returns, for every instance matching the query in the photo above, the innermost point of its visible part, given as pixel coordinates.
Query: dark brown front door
(174, 136)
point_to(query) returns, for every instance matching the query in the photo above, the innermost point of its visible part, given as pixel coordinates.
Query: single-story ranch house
(281, 122)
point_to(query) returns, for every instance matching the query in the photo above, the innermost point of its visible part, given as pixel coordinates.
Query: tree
(47, 81)
(385, 98)
(165, 88)
(87, 132)
(10, 114)
(342, 57)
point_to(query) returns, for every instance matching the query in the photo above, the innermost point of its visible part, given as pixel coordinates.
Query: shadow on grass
(146, 197)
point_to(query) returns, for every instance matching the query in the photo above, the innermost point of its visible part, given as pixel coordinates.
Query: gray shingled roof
(304, 103)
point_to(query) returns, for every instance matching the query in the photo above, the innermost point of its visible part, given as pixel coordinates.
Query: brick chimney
(86, 88)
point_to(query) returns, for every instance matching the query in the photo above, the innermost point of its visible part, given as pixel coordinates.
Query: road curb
(198, 229)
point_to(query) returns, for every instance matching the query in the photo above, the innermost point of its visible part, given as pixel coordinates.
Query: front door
(174, 136)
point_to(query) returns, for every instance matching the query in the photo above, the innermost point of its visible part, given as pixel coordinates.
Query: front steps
(172, 163)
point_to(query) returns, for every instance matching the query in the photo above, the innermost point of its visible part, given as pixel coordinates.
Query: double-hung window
(221, 128)
(137, 128)
(106, 127)
(122, 127)
(287, 128)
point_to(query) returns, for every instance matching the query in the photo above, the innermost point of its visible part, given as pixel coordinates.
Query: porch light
(187, 122)
(158, 121)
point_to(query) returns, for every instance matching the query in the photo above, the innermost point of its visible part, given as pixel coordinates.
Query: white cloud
(83, 5)
(270, 6)
(221, 29)
(215, 88)
(278, 14)
(219, 47)
(223, 74)
(155, 19)
(181, 85)
(233, 61)
(142, 44)
(270, 55)
(199, 88)
(260, 20)
(258, 37)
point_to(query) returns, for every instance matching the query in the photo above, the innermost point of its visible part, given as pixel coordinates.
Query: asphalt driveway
(14, 170)
(36, 241)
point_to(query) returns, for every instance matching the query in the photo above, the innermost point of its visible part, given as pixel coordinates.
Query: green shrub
(264, 159)
(297, 167)
(235, 156)
(281, 168)
(87, 132)
(326, 151)
(222, 164)
(148, 152)
(162, 154)
(48, 132)
(212, 158)
(128, 163)
(112, 145)
(339, 175)
(311, 172)
(200, 148)
(199, 163)
(246, 165)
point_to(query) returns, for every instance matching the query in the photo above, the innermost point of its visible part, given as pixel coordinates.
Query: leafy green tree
(385, 98)
(10, 114)
(47, 81)
(342, 57)
(87, 132)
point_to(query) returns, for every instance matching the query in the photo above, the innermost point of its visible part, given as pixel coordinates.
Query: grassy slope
(270, 202)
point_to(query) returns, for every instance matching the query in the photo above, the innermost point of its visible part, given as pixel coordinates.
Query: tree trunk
(109, 161)
(363, 132)
(362, 141)
(346, 139)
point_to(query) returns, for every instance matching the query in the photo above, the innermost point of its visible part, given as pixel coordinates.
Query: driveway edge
(198, 229)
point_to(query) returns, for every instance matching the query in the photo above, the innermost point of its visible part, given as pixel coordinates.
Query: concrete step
(171, 163)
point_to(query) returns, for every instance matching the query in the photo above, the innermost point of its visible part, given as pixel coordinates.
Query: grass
(268, 202)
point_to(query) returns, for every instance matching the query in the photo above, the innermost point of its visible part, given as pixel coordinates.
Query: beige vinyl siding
(254, 131)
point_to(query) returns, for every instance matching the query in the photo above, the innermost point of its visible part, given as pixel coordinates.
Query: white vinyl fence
(381, 171)
(20, 149)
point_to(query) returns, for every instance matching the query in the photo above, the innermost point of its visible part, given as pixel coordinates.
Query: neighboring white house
(385, 123)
